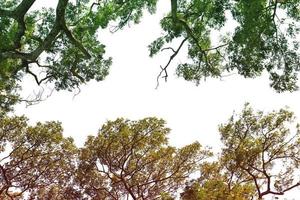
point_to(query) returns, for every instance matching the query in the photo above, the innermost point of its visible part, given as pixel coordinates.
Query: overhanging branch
(164, 69)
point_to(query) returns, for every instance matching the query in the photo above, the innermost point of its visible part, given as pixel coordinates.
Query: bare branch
(168, 48)
(164, 69)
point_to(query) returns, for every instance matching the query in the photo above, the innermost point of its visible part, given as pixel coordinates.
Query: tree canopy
(60, 45)
(134, 160)
(263, 38)
(35, 161)
(215, 182)
(126, 159)
(263, 149)
(259, 158)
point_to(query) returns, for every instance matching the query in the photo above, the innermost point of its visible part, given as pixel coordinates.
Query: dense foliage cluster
(133, 159)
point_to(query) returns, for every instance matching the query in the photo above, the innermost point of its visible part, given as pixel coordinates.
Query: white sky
(192, 112)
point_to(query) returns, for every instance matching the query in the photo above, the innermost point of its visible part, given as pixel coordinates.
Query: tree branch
(164, 69)
(59, 23)
(77, 43)
(23, 7)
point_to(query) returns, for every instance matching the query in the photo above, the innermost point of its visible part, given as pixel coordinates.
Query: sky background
(192, 112)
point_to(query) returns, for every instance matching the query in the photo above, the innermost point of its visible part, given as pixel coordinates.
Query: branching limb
(77, 43)
(203, 53)
(18, 14)
(164, 69)
(6, 179)
(25, 64)
(57, 28)
(23, 7)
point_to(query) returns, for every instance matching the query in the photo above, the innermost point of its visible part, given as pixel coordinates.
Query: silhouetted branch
(164, 69)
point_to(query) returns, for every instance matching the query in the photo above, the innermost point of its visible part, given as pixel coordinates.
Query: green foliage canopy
(60, 46)
(263, 38)
(57, 45)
